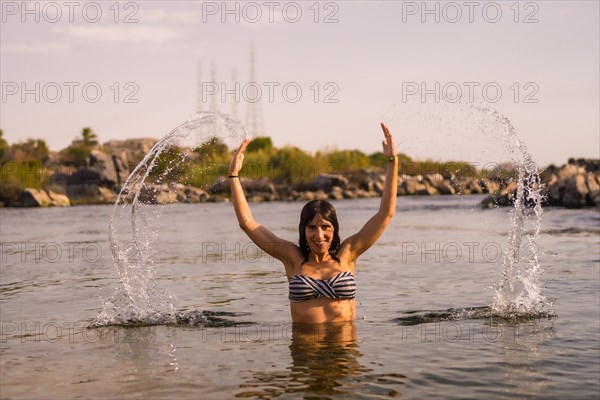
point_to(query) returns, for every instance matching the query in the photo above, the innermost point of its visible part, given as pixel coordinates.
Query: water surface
(438, 256)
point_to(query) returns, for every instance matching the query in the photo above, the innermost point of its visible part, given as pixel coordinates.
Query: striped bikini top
(339, 286)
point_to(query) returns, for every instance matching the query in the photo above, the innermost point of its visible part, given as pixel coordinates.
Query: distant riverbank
(576, 184)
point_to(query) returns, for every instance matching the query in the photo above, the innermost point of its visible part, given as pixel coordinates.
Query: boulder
(261, 185)
(412, 186)
(567, 171)
(321, 195)
(502, 198)
(433, 179)
(363, 194)
(112, 170)
(460, 185)
(31, 197)
(349, 194)
(489, 186)
(190, 194)
(306, 196)
(105, 195)
(430, 189)
(474, 188)
(337, 193)
(157, 194)
(576, 191)
(58, 200)
(591, 181)
(326, 182)
(221, 185)
(444, 187)
(553, 191)
(132, 151)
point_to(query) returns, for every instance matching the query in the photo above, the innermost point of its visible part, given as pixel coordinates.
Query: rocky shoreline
(574, 185)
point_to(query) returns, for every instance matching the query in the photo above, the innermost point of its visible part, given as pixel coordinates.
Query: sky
(328, 72)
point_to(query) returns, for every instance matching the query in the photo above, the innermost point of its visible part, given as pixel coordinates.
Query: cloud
(171, 16)
(37, 48)
(120, 34)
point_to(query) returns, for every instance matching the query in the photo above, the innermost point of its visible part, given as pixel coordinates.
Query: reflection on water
(324, 361)
(139, 353)
(522, 349)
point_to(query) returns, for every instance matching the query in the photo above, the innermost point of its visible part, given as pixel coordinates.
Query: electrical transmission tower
(199, 91)
(252, 96)
(213, 79)
(254, 119)
(234, 103)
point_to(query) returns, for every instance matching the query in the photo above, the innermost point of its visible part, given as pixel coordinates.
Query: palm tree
(89, 137)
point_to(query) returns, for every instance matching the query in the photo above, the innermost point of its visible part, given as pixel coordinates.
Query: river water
(422, 329)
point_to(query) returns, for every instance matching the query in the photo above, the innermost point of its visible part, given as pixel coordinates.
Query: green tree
(291, 164)
(260, 143)
(81, 147)
(31, 151)
(3, 146)
(170, 166)
(347, 160)
(89, 137)
(214, 148)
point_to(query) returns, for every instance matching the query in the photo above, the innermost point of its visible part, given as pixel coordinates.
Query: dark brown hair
(326, 210)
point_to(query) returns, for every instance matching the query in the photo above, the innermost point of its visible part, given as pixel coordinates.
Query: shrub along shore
(90, 173)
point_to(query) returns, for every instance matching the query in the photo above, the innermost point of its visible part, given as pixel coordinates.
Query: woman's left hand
(389, 148)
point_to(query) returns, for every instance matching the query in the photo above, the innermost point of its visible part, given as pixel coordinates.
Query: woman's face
(319, 233)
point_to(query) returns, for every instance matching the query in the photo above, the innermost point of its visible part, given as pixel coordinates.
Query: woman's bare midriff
(317, 311)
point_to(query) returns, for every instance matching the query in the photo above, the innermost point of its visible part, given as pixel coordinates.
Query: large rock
(337, 193)
(130, 150)
(190, 194)
(326, 183)
(567, 171)
(251, 186)
(593, 189)
(111, 169)
(444, 187)
(262, 186)
(105, 195)
(31, 197)
(310, 195)
(576, 191)
(430, 189)
(58, 200)
(220, 185)
(502, 198)
(489, 186)
(168, 194)
(157, 194)
(433, 179)
(553, 191)
(474, 187)
(412, 186)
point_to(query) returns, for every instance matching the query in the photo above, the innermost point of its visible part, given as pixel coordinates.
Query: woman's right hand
(238, 158)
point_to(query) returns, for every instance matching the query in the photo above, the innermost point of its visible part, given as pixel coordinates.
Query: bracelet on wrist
(233, 176)
(391, 158)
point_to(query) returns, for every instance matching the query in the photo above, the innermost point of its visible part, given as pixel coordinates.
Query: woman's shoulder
(345, 252)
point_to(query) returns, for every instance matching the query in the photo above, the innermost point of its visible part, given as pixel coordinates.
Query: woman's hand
(238, 158)
(389, 148)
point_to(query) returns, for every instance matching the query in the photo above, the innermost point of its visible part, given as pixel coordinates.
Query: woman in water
(321, 269)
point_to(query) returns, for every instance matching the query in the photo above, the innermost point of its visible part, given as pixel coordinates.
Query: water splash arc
(518, 294)
(139, 298)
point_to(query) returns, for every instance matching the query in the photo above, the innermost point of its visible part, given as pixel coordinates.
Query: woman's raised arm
(273, 245)
(376, 225)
